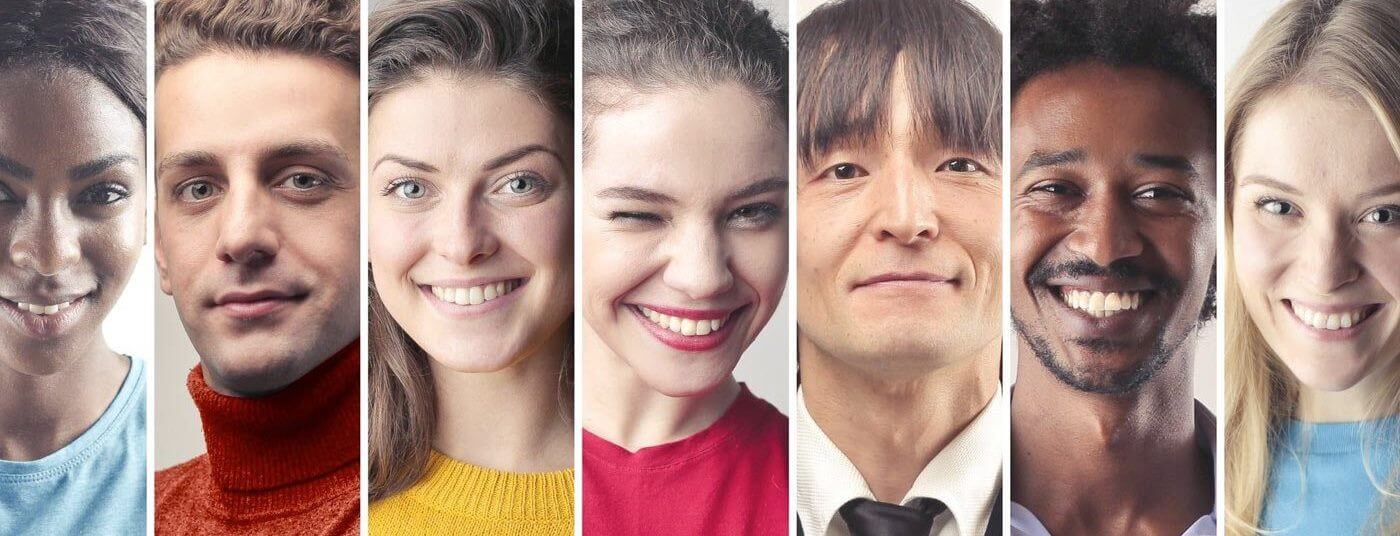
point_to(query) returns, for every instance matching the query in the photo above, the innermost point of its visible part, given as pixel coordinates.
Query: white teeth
(37, 309)
(1101, 304)
(684, 326)
(475, 295)
(1329, 321)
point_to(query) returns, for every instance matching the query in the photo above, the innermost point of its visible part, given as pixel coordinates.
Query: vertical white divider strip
(792, 260)
(1220, 282)
(364, 267)
(150, 239)
(578, 269)
(1008, 337)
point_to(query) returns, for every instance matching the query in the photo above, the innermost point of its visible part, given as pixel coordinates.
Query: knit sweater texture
(455, 498)
(287, 463)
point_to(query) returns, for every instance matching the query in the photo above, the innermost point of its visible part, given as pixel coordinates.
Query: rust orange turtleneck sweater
(282, 464)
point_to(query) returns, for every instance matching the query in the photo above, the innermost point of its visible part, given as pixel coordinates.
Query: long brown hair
(1351, 47)
(525, 43)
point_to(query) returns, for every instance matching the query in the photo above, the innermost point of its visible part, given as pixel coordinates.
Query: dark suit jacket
(993, 521)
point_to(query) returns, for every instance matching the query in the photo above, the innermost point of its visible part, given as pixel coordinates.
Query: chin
(684, 384)
(1331, 375)
(472, 361)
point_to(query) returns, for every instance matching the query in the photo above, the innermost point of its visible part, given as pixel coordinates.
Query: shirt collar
(965, 475)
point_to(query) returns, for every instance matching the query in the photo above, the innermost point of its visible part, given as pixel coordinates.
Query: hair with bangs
(847, 53)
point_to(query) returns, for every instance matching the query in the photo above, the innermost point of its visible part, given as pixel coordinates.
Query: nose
(902, 209)
(698, 262)
(248, 232)
(1105, 231)
(46, 240)
(1326, 257)
(464, 236)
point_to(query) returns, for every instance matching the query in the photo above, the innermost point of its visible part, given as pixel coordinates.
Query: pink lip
(693, 314)
(903, 278)
(45, 326)
(468, 283)
(694, 343)
(251, 305)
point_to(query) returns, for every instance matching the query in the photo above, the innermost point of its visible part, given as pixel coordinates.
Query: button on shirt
(965, 476)
(1024, 523)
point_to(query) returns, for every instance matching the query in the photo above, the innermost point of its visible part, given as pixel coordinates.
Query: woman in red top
(684, 225)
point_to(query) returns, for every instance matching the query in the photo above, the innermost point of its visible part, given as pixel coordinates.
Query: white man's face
(257, 213)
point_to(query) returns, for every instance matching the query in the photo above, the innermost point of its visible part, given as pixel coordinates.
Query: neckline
(463, 488)
(80, 449)
(742, 415)
(1339, 437)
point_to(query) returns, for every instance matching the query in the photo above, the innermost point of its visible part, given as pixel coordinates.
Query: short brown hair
(327, 29)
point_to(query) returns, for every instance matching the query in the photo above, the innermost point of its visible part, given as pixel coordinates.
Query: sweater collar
(307, 430)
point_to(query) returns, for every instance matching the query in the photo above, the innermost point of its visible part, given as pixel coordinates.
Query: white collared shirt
(1024, 523)
(965, 475)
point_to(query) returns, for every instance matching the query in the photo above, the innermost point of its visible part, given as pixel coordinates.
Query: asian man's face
(257, 212)
(1113, 221)
(898, 255)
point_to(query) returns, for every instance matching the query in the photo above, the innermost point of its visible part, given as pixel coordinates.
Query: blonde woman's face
(471, 219)
(1317, 236)
(685, 233)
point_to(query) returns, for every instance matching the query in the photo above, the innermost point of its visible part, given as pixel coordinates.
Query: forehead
(1310, 138)
(229, 103)
(52, 120)
(685, 138)
(1110, 111)
(469, 117)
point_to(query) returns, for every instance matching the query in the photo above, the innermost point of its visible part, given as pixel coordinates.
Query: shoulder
(177, 480)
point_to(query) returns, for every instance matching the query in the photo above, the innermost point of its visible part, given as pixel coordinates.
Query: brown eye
(961, 165)
(846, 170)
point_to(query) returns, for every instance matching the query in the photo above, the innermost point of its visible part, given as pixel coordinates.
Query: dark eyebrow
(518, 153)
(1272, 183)
(15, 169)
(770, 184)
(406, 162)
(97, 166)
(305, 148)
(633, 193)
(1039, 159)
(187, 159)
(1166, 161)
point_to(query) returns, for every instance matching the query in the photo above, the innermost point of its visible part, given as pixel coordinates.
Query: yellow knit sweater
(463, 499)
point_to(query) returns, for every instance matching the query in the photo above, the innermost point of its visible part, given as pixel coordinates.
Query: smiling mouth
(1099, 304)
(43, 310)
(476, 295)
(688, 327)
(1331, 321)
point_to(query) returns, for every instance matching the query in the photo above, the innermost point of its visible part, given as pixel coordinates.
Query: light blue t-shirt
(1318, 483)
(94, 485)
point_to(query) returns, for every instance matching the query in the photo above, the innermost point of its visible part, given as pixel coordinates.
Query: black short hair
(846, 53)
(1168, 35)
(105, 40)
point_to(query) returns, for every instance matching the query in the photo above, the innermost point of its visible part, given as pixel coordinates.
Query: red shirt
(730, 478)
(287, 463)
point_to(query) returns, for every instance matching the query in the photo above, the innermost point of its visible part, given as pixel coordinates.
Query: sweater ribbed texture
(463, 499)
(287, 463)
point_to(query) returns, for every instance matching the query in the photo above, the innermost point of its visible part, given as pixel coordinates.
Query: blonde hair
(1351, 48)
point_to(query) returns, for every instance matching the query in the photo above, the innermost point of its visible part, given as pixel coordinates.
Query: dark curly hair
(106, 40)
(1168, 35)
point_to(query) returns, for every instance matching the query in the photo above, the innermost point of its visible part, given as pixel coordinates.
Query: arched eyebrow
(1040, 159)
(96, 166)
(770, 184)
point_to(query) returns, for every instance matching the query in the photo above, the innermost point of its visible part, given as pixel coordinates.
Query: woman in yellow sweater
(470, 213)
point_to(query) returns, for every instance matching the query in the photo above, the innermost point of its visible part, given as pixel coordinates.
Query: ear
(161, 270)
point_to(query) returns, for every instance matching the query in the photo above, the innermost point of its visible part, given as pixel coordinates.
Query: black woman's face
(72, 213)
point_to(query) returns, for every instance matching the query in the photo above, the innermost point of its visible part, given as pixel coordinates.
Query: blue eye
(302, 181)
(196, 191)
(522, 184)
(409, 189)
(1276, 206)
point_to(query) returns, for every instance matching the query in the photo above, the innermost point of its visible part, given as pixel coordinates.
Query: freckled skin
(54, 241)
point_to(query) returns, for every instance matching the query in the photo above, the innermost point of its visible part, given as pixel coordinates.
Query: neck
(627, 412)
(43, 413)
(517, 419)
(891, 428)
(1120, 444)
(1357, 403)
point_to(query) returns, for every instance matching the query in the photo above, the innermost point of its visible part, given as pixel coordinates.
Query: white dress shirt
(965, 476)
(1024, 523)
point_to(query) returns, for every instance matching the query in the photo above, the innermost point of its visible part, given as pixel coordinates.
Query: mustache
(1124, 269)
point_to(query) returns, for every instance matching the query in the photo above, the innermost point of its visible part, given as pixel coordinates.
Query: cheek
(396, 242)
(543, 237)
(760, 261)
(820, 247)
(1378, 258)
(1258, 256)
(1032, 236)
(186, 242)
(613, 263)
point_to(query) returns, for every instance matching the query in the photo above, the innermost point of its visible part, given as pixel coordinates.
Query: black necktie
(865, 517)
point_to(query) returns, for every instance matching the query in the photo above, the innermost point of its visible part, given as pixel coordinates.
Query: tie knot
(865, 517)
